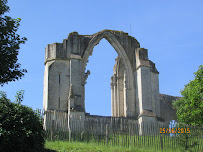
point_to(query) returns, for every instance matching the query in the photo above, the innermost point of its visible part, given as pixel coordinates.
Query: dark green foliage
(189, 140)
(9, 46)
(190, 106)
(21, 129)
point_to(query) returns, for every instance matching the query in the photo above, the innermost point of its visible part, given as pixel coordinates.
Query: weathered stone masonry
(134, 84)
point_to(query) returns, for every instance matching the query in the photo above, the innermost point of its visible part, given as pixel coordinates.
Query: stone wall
(166, 110)
(79, 122)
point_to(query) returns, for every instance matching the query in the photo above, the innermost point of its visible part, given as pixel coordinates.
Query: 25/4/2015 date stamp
(174, 130)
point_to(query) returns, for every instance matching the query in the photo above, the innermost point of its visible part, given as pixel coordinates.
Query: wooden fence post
(161, 138)
(129, 135)
(52, 130)
(107, 134)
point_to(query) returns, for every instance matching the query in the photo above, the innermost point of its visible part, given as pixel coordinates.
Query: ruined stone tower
(134, 84)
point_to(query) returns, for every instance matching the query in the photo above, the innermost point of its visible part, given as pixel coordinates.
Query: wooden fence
(123, 132)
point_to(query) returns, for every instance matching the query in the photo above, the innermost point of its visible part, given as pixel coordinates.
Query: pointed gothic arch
(141, 87)
(114, 42)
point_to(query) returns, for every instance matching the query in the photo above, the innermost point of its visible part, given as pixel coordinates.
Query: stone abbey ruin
(134, 83)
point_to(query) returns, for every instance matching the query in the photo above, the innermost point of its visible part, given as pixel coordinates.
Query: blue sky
(170, 30)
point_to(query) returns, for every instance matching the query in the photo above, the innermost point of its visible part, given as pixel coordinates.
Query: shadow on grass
(49, 150)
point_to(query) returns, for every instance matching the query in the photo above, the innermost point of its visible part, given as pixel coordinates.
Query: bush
(189, 136)
(21, 129)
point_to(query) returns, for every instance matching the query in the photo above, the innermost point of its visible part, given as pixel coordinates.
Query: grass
(118, 143)
(65, 146)
(124, 142)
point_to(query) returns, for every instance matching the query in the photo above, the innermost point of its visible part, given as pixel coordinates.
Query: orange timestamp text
(174, 130)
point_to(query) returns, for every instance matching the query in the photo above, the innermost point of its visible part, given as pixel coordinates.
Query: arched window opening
(98, 88)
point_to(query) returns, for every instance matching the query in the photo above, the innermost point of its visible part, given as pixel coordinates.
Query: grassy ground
(64, 146)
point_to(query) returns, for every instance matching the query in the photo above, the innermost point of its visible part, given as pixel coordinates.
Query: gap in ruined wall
(98, 89)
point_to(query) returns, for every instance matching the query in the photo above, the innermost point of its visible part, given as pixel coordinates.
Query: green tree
(21, 129)
(190, 106)
(10, 42)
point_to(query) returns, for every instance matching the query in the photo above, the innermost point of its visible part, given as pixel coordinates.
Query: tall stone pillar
(118, 97)
(120, 91)
(147, 85)
(56, 79)
(76, 112)
(115, 97)
(144, 87)
(124, 93)
(75, 81)
(155, 93)
(112, 97)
